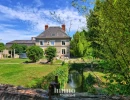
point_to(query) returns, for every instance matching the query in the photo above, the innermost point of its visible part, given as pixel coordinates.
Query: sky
(23, 19)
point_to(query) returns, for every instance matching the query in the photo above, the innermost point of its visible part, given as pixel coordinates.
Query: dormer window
(52, 34)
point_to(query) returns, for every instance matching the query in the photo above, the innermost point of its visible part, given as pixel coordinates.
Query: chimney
(32, 38)
(63, 27)
(46, 27)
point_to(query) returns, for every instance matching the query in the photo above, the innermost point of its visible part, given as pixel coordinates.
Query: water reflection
(75, 79)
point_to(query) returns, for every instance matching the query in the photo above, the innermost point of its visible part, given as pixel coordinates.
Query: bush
(34, 53)
(50, 53)
(88, 84)
(90, 79)
(2, 46)
(63, 63)
(61, 72)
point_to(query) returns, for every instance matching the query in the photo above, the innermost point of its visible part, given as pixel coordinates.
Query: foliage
(2, 46)
(63, 63)
(61, 72)
(88, 84)
(109, 34)
(34, 53)
(50, 53)
(90, 79)
(19, 48)
(79, 46)
(94, 29)
(111, 25)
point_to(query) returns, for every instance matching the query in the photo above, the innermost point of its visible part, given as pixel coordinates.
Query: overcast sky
(23, 19)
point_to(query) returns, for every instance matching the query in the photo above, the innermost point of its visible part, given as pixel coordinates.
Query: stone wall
(10, 92)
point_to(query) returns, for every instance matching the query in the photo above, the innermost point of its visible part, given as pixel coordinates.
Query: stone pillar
(14, 53)
(11, 53)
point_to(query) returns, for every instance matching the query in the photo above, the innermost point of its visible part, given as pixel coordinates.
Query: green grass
(15, 60)
(21, 74)
(100, 75)
(58, 61)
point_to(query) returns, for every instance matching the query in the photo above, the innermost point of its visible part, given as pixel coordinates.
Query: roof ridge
(55, 26)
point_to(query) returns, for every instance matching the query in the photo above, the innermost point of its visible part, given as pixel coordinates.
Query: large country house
(52, 36)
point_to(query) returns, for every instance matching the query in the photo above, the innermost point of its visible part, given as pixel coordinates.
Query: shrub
(34, 53)
(61, 72)
(50, 53)
(90, 79)
(88, 84)
(2, 46)
(63, 62)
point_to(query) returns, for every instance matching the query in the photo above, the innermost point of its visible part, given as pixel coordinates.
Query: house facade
(52, 36)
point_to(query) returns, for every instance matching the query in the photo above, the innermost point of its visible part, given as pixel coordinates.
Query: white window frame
(61, 42)
(42, 42)
(65, 51)
(51, 41)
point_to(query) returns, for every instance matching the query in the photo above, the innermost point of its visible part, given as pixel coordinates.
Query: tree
(2, 47)
(93, 32)
(80, 47)
(50, 53)
(34, 53)
(114, 40)
(19, 48)
(108, 27)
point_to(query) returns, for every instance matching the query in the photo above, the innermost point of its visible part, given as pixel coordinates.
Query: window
(63, 51)
(52, 34)
(52, 42)
(63, 42)
(47, 42)
(41, 42)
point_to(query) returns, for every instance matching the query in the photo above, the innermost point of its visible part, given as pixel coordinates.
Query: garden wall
(9, 92)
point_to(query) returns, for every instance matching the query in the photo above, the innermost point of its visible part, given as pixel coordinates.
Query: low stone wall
(10, 92)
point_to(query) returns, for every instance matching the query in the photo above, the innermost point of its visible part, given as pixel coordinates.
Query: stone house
(51, 36)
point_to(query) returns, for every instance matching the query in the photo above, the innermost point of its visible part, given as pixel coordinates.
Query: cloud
(37, 18)
(8, 35)
(39, 3)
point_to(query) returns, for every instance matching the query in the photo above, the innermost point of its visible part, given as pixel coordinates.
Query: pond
(74, 81)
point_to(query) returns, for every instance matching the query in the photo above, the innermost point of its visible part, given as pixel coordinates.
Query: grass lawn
(21, 74)
(99, 75)
(9, 60)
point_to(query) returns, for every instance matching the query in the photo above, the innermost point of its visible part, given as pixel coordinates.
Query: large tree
(114, 39)
(93, 32)
(109, 33)
(19, 48)
(80, 47)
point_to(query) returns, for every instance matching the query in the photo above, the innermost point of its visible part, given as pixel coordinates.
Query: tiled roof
(22, 41)
(53, 32)
(25, 42)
